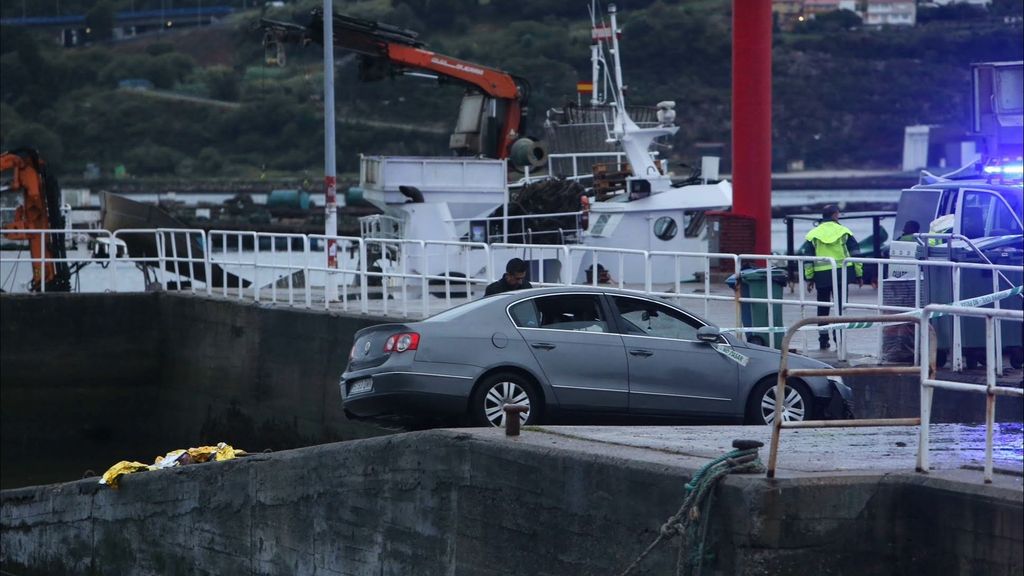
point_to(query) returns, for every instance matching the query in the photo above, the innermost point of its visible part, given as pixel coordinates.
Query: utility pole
(330, 160)
(752, 116)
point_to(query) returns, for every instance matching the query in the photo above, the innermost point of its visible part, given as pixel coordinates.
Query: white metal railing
(925, 370)
(999, 282)
(419, 278)
(929, 382)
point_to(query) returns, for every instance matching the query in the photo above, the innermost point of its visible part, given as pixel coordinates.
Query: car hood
(767, 353)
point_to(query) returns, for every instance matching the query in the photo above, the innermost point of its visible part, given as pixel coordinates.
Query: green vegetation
(842, 94)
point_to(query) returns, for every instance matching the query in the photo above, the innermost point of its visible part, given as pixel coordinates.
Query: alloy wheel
(498, 396)
(793, 406)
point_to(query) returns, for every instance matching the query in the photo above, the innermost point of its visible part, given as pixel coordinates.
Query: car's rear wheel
(797, 402)
(487, 406)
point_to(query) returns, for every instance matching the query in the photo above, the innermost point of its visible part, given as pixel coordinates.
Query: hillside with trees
(209, 106)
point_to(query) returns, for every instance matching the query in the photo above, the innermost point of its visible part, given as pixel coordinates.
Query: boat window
(576, 312)
(665, 228)
(647, 318)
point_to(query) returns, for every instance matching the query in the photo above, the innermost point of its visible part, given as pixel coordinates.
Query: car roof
(578, 289)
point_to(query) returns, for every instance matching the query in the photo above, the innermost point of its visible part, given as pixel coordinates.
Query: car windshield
(459, 311)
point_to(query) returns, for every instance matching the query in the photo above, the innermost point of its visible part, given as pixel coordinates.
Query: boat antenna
(620, 100)
(596, 58)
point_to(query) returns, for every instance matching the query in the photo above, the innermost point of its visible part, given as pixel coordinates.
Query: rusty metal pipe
(860, 370)
(853, 423)
(785, 372)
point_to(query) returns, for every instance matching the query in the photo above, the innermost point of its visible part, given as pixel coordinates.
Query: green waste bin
(1002, 250)
(754, 284)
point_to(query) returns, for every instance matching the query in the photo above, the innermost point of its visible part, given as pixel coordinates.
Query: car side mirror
(708, 334)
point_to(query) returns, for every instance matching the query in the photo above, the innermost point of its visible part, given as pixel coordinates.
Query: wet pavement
(820, 452)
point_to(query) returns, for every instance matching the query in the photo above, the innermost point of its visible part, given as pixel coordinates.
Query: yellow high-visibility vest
(829, 241)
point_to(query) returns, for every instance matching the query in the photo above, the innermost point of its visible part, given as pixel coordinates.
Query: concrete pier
(556, 500)
(88, 380)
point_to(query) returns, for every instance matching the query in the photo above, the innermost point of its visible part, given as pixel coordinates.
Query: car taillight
(352, 353)
(402, 342)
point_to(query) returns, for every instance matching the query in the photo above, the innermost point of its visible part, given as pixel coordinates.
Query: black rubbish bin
(754, 284)
(1001, 250)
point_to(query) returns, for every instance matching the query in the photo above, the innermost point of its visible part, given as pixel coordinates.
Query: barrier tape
(966, 303)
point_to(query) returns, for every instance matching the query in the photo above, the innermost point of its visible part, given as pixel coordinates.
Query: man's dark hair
(911, 227)
(829, 211)
(515, 266)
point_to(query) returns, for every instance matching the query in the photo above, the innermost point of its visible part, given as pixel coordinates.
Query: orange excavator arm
(35, 213)
(387, 50)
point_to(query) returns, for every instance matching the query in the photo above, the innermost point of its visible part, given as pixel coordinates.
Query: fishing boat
(620, 193)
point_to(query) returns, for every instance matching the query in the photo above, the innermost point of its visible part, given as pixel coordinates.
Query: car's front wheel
(797, 402)
(487, 406)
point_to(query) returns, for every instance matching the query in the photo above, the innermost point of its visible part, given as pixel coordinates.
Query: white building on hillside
(891, 13)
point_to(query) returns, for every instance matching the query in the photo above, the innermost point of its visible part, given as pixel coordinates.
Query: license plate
(360, 386)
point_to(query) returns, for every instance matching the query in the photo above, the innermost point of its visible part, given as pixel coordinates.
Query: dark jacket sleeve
(852, 246)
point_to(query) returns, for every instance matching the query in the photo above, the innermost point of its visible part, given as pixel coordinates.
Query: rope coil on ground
(686, 522)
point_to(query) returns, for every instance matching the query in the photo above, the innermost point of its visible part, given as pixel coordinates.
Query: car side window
(576, 312)
(525, 314)
(646, 318)
(985, 214)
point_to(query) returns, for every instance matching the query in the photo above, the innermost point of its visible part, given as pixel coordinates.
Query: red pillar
(752, 116)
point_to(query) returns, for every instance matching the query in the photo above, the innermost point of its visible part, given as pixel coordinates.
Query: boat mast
(596, 57)
(620, 99)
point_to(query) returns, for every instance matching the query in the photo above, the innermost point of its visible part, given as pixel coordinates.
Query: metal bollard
(512, 412)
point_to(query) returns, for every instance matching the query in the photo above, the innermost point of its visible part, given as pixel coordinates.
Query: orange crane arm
(29, 178)
(390, 49)
(31, 215)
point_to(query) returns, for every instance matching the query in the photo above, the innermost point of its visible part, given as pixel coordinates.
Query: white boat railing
(430, 276)
(565, 235)
(573, 159)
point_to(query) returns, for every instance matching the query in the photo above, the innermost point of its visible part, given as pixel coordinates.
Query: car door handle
(643, 353)
(543, 346)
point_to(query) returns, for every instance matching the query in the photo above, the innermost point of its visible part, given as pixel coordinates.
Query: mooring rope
(686, 522)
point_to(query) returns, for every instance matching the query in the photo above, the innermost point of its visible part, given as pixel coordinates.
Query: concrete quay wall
(90, 379)
(453, 502)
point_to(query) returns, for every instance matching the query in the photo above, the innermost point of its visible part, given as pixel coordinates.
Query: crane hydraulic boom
(40, 211)
(493, 110)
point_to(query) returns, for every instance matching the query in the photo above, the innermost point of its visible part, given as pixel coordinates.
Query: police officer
(830, 239)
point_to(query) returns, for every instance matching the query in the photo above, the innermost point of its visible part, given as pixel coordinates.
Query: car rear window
(459, 311)
(524, 314)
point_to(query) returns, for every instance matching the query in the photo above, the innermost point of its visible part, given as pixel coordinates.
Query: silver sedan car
(577, 350)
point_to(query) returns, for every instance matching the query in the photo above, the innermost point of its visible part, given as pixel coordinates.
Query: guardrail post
(207, 263)
(364, 291)
(990, 397)
(112, 256)
(928, 346)
(305, 271)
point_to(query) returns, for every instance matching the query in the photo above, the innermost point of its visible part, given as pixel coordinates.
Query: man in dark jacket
(514, 279)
